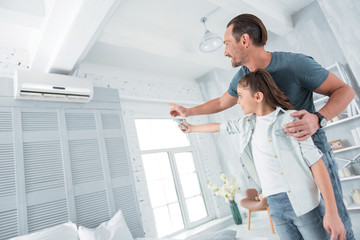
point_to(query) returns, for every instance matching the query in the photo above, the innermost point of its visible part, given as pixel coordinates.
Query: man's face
(233, 49)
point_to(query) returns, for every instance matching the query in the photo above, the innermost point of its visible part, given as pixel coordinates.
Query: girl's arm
(332, 222)
(206, 128)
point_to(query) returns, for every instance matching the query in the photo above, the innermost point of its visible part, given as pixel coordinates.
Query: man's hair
(261, 81)
(250, 24)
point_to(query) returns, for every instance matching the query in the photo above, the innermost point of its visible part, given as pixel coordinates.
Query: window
(172, 178)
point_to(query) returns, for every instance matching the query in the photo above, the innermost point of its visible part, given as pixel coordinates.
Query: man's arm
(213, 106)
(332, 222)
(340, 95)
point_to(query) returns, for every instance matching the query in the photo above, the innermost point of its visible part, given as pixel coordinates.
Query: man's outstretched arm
(213, 106)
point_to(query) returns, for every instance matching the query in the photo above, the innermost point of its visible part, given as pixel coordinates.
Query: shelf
(346, 149)
(353, 206)
(350, 178)
(342, 121)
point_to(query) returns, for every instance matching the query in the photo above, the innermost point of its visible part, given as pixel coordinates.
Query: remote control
(179, 121)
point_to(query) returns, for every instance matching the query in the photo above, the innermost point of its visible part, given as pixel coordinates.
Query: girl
(286, 169)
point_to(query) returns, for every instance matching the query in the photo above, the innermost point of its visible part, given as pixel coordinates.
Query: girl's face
(246, 100)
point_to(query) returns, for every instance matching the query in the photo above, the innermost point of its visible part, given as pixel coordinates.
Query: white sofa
(114, 229)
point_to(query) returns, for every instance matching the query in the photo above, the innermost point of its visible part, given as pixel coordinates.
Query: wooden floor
(259, 228)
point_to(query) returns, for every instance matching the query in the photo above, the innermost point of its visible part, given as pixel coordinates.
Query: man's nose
(226, 54)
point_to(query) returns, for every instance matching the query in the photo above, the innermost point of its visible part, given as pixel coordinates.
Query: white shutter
(61, 162)
(43, 169)
(43, 165)
(124, 200)
(85, 161)
(120, 171)
(86, 167)
(116, 151)
(92, 209)
(47, 214)
(8, 211)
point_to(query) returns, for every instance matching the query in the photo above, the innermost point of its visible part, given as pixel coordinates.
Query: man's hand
(178, 110)
(303, 128)
(334, 226)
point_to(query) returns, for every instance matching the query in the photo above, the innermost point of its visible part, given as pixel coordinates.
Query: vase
(235, 213)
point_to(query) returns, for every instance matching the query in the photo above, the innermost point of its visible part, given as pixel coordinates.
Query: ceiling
(159, 36)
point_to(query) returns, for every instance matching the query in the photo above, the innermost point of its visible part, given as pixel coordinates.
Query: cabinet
(347, 152)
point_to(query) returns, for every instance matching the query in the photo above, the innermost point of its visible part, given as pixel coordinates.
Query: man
(298, 76)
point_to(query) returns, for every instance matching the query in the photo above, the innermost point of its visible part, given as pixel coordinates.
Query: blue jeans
(288, 226)
(321, 142)
(330, 163)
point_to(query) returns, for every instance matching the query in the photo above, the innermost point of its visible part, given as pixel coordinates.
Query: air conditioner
(51, 87)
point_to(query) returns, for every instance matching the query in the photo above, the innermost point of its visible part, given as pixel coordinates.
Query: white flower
(228, 190)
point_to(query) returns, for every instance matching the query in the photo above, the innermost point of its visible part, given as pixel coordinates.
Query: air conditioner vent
(51, 87)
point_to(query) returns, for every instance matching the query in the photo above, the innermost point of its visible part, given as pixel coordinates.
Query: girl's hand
(334, 226)
(187, 125)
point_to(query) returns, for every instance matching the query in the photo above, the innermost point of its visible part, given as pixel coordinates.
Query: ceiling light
(211, 41)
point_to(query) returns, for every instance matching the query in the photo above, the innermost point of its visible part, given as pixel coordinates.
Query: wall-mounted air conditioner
(51, 87)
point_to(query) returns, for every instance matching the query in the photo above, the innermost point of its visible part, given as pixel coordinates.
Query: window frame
(179, 190)
(160, 110)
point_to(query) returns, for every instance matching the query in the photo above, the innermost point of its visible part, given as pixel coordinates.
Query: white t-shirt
(265, 161)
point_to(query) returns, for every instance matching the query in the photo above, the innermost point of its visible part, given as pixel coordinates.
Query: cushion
(156, 238)
(113, 229)
(63, 231)
(222, 235)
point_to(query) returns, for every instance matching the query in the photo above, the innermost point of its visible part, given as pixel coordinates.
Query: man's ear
(259, 96)
(245, 40)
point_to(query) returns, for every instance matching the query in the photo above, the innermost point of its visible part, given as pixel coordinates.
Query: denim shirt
(294, 158)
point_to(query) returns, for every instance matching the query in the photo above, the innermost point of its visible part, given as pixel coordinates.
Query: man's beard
(236, 64)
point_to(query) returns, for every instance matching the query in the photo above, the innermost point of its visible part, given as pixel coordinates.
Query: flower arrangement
(228, 190)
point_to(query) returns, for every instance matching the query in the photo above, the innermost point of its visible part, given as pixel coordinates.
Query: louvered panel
(7, 170)
(111, 121)
(6, 122)
(92, 209)
(125, 200)
(43, 165)
(118, 159)
(85, 160)
(80, 121)
(47, 215)
(39, 121)
(8, 224)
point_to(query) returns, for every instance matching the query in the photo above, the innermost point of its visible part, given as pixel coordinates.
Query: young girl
(286, 169)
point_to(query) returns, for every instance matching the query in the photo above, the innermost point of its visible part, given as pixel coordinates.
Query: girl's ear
(259, 96)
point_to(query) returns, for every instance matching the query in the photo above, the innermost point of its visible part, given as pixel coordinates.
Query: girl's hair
(250, 24)
(261, 81)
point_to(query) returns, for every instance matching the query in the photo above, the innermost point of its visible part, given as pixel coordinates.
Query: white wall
(144, 95)
(317, 34)
(344, 17)
(312, 36)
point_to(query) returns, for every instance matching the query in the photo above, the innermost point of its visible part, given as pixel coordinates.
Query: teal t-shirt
(297, 75)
